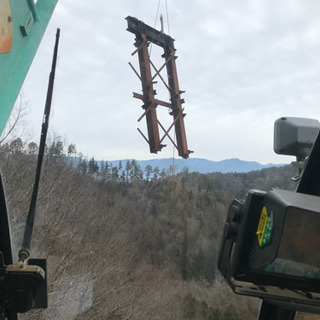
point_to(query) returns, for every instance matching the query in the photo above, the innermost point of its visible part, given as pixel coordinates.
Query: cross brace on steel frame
(144, 35)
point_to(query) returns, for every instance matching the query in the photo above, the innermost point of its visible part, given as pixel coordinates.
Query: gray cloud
(242, 64)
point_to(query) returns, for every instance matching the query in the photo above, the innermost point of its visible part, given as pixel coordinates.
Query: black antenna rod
(24, 252)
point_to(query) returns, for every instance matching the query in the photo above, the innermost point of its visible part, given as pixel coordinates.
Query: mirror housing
(295, 136)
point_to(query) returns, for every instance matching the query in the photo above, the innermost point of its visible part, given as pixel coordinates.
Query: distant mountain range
(200, 165)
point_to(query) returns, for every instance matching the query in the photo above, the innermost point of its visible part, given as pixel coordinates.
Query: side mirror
(295, 136)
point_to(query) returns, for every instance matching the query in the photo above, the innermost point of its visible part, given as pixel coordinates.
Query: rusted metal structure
(144, 36)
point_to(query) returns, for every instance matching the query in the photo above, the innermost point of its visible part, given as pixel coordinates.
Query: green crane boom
(22, 25)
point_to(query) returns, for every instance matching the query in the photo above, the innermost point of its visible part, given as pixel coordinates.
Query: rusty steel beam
(145, 35)
(176, 101)
(157, 37)
(156, 101)
(148, 93)
(153, 105)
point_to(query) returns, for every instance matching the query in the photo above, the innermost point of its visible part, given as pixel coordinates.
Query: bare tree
(15, 126)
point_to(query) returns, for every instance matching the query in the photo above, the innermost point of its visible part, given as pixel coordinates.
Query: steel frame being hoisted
(144, 36)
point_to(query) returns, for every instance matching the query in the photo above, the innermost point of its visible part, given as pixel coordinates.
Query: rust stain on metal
(5, 27)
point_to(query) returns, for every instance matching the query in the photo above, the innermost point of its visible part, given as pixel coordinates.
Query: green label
(265, 228)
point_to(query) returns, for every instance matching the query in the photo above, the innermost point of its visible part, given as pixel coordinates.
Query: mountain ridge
(200, 165)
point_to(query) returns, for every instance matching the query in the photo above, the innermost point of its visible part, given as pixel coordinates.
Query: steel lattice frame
(144, 36)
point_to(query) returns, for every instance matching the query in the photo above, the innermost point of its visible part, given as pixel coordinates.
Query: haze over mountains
(200, 165)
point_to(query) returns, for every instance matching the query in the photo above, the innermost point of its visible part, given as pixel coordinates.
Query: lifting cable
(167, 17)
(168, 26)
(156, 19)
(173, 169)
(155, 24)
(24, 252)
(173, 147)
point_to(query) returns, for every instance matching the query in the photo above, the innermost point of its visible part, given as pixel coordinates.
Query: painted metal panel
(29, 22)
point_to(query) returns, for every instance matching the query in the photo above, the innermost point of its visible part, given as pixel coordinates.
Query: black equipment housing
(285, 270)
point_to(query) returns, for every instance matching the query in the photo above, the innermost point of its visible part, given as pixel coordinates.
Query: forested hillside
(123, 245)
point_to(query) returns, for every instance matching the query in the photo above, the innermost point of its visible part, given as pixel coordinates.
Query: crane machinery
(23, 285)
(270, 242)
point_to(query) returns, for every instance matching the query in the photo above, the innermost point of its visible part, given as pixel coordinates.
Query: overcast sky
(243, 65)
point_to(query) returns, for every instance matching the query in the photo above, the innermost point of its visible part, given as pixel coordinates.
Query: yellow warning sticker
(262, 225)
(265, 228)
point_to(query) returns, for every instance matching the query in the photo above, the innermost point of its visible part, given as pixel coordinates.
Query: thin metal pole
(24, 251)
